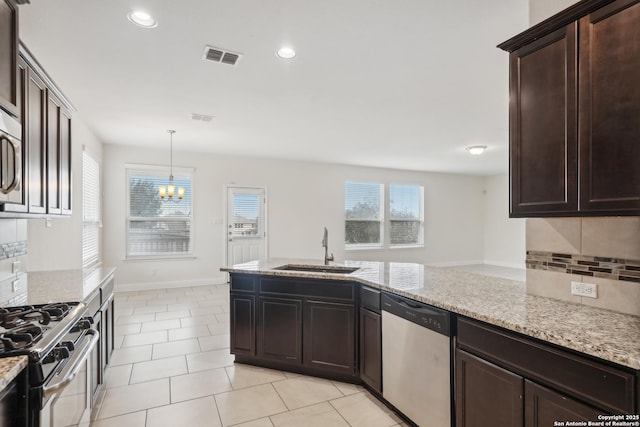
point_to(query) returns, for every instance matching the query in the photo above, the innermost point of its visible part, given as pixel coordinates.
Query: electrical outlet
(15, 267)
(16, 285)
(584, 289)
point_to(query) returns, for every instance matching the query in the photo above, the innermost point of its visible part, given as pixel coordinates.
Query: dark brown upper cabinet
(574, 112)
(46, 144)
(609, 109)
(9, 79)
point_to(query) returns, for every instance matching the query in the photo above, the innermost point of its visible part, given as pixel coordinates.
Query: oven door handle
(74, 365)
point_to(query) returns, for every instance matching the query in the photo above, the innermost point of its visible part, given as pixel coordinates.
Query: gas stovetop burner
(44, 314)
(20, 337)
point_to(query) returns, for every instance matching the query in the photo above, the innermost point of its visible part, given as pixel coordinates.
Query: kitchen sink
(317, 268)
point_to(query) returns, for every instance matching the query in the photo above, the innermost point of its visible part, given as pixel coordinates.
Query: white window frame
(385, 221)
(92, 219)
(381, 220)
(420, 242)
(160, 171)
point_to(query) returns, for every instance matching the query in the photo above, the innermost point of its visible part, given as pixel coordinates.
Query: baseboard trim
(454, 263)
(518, 265)
(144, 286)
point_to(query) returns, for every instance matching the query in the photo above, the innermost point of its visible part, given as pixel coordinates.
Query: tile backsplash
(604, 251)
(13, 248)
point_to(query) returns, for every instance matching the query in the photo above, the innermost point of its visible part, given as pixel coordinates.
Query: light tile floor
(172, 367)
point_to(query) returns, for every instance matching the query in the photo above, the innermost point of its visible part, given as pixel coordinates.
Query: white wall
(539, 10)
(59, 247)
(504, 237)
(303, 198)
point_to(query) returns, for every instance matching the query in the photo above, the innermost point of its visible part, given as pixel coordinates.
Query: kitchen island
(604, 334)
(538, 358)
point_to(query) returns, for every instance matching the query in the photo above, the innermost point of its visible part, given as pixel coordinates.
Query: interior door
(246, 224)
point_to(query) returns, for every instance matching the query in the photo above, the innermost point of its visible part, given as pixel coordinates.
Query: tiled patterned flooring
(172, 367)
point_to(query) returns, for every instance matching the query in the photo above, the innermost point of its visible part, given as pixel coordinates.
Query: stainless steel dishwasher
(416, 360)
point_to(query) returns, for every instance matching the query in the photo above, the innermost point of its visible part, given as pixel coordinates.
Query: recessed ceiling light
(142, 19)
(286, 52)
(476, 149)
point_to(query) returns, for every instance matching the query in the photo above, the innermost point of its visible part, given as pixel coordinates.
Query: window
(158, 228)
(246, 214)
(91, 214)
(363, 213)
(377, 218)
(405, 214)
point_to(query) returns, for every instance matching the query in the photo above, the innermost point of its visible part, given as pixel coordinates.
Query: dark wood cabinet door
(329, 336)
(544, 406)
(53, 154)
(486, 395)
(35, 132)
(371, 349)
(17, 201)
(65, 163)
(9, 56)
(280, 329)
(107, 332)
(96, 365)
(543, 126)
(609, 119)
(243, 329)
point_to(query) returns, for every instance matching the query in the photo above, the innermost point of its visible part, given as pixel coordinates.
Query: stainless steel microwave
(10, 159)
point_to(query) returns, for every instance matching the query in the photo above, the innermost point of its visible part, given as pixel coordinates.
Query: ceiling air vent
(220, 55)
(201, 117)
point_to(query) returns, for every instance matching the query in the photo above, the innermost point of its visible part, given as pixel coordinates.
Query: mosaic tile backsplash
(13, 249)
(607, 268)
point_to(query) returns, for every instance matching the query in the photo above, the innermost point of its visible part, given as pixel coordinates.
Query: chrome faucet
(325, 245)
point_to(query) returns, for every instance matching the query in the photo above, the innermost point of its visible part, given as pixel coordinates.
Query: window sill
(381, 248)
(406, 246)
(190, 257)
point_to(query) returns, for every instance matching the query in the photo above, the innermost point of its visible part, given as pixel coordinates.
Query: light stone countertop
(605, 334)
(10, 368)
(44, 287)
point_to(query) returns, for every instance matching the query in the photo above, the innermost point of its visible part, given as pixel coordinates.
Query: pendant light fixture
(168, 191)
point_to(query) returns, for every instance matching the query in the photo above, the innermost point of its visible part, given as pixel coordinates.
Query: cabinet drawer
(340, 291)
(370, 298)
(603, 386)
(243, 283)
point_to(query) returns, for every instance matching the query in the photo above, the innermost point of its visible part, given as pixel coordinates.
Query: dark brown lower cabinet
(280, 329)
(544, 406)
(13, 402)
(371, 349)
(329, 336)
(486, 395)
(243, 329)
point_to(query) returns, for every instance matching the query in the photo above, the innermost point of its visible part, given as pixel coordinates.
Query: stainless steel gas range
(58, 340)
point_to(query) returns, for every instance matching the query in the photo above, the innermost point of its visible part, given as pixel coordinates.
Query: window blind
(91, 212)
(363, 213)
(156, 227)
(405, 214)
(246, 212)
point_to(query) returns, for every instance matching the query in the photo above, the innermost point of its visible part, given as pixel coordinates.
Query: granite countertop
(10, 367)
(43, 287)
(605, 334)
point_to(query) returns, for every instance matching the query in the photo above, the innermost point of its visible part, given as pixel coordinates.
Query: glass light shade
(286, 52)
(476, 149)
(180, 192)
(142, 19)
(163, 191)
(171, 189)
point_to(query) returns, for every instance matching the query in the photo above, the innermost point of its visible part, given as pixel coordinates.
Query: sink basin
(318, 268)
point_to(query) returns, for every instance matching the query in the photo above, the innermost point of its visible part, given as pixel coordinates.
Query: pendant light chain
(171, 132)
(166, 192)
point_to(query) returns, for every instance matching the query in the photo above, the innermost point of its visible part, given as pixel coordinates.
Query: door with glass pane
(245, 224)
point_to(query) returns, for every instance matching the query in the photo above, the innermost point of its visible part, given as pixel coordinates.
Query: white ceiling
(404, 84)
